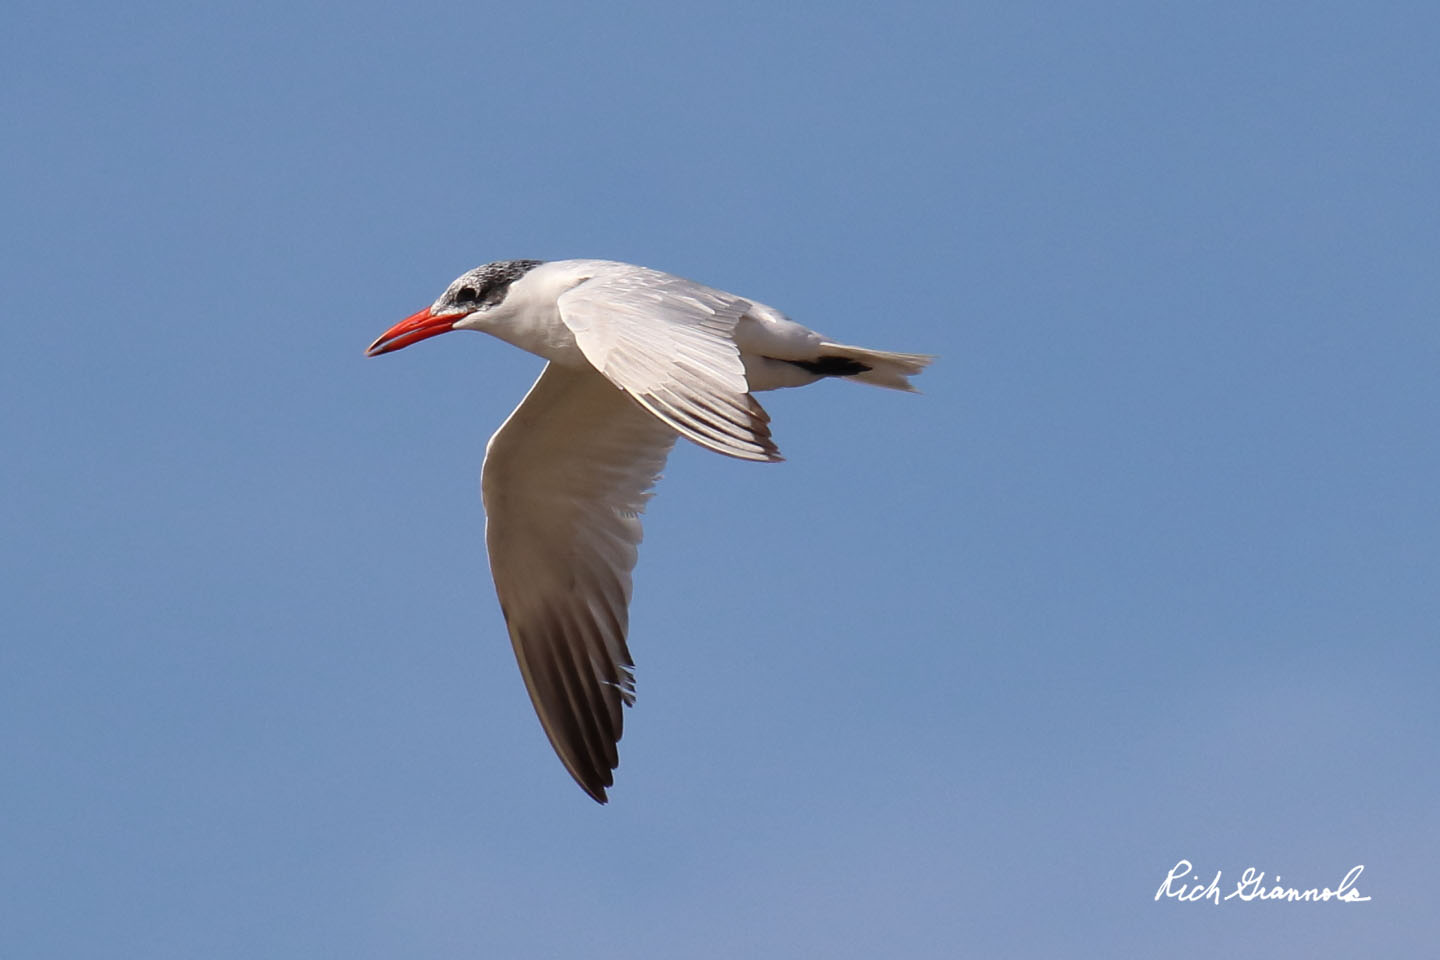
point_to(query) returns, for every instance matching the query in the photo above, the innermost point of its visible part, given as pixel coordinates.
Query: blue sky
(1147, 573)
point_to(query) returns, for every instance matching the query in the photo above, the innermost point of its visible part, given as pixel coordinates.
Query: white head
(465, 304)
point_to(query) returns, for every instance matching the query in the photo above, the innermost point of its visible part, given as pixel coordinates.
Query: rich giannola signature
(1182, 883)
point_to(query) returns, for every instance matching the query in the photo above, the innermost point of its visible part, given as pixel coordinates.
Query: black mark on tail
(831, 366)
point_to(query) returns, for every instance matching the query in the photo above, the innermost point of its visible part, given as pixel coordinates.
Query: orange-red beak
(413, 329)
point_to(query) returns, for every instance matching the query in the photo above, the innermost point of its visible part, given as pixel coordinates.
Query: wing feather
(565, 481)
(670, 344)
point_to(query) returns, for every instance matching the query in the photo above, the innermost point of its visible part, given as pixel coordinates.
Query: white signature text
(1181, 883)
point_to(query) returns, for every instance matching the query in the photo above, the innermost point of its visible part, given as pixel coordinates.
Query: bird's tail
(879, 367)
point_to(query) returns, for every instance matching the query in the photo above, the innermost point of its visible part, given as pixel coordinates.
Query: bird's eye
(467, 295)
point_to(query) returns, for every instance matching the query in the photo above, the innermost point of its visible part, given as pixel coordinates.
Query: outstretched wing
(669, 343)
(565, 480)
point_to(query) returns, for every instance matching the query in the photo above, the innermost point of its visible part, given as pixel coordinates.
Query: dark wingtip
(830, 366)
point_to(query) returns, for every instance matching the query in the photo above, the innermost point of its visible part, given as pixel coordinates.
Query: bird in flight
(636, 358)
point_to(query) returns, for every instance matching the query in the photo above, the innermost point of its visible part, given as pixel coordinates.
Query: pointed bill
(413, 329)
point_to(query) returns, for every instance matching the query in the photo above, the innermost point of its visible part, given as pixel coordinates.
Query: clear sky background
(1148, 572)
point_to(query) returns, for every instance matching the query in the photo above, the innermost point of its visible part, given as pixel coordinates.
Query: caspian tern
(636, 358)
